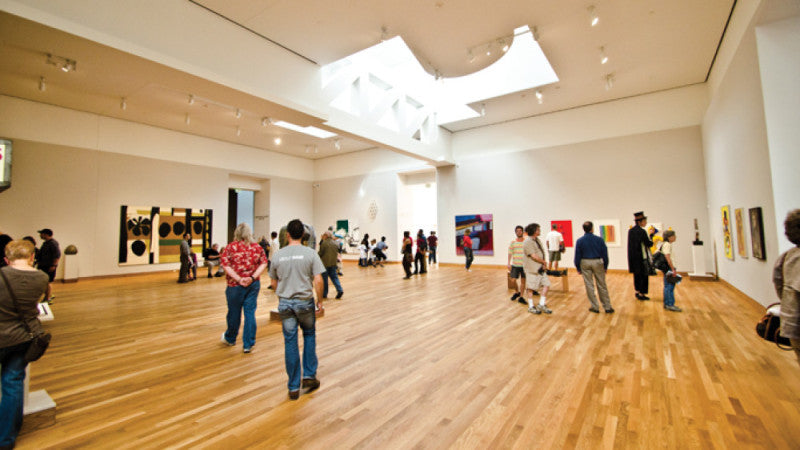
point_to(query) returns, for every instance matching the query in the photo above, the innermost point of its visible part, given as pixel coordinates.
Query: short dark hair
(383, 238)
(792, 227)
(295, 229)
(668, 234)
(588, 226)
(274, 234)
(531, 228)
(553, 226)
(406, 233)
(518, 227)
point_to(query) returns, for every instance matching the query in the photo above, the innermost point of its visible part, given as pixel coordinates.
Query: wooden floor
(441, 360)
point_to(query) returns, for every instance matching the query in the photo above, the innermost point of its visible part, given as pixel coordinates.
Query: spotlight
(238, 113)
(337, 144)
(609, 81)
(489, 50)
(504, 45)
(123, 105)
(187, 119)
(42, 85)
(603, 56)
(277, 141)
(483, 109)
(384, 34)
(191, 99)
(593, 16)
(64, 64)
(238, 131)
(539, 97)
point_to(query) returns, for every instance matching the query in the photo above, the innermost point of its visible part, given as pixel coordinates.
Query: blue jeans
(432, 255)
(12, 378)
(242, 298)
(669, 292)
(296, 312)
(330, 272)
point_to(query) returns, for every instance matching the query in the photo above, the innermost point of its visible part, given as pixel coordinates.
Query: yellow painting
(727, 241)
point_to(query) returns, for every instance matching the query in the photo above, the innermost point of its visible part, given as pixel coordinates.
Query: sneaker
(673, 308)
(294, 395)
(610, 311)
(339, 295)
(535, 292)
(515, 296)
(247, 350)
(522, 300)
(545, 309)
(595, 310)
(534, 310)
(225, 341)
(310, 384)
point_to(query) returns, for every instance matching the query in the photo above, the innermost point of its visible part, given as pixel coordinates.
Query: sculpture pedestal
(699, 261)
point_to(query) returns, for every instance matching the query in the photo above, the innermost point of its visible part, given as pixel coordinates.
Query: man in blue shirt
(591, 260)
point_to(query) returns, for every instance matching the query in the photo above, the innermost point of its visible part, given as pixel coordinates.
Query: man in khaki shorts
(535, 274)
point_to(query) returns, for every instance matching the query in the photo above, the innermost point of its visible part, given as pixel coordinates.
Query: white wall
(737, 161)
(659, 172)
(290, 199)
(78, 194)
(779, 61)
(350, 197)
(417, 203)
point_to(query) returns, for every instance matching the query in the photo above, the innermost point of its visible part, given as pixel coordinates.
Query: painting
(727, 242)
(656, 228)
(608, 229)
(565, 228)
(479, 227)
(757, 233)
(152, 234)
(741, 237)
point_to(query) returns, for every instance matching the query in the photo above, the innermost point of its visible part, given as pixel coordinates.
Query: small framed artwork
(609, 231)
(757, 233)
(741, 236)
(727, 240)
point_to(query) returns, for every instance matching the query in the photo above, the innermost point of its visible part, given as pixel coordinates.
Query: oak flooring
(443, 360)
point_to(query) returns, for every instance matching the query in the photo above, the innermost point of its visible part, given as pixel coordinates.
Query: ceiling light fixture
(277, 141)
(489, 49)
(609, 81)
(187, 119)
(191, 99)
(238, 131)
(42, 85)
(384, 34)
(308, 149)
(483, 109)
(603, 56)
(337, 144)
(539, 97)
(503, 45)
(123, 105)
(238, 113)
(265, 121)
(64, 64)
(593, 16)
(471, 56)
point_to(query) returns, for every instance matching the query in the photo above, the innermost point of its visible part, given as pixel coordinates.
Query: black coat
(637, 237)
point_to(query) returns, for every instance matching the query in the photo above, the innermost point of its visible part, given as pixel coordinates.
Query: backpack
(660, 261)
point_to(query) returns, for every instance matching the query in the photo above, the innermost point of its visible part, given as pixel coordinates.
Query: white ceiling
(652, 46)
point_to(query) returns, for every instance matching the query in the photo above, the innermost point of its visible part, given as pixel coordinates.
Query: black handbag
(769, 328)
(39, 342)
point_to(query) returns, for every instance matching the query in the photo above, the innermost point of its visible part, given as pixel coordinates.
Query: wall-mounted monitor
(5, 164)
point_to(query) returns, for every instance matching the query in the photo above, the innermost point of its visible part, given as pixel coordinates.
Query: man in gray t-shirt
(296, 274)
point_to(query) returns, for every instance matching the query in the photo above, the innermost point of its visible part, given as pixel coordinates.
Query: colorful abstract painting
(757, 233)
(152, 234)
(565, 228)
(608, 229)
(741, 237)
(479, 227)
(727, 239)
(655, 228)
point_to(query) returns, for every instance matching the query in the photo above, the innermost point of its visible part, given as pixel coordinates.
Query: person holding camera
(535, 273)
(29, 286)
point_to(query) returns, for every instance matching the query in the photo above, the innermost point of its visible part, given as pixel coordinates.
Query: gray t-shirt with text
(295, 267)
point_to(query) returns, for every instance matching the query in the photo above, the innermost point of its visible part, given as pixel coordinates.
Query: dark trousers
(468, 254)
(431, 255)
(407, 265)
(419, 263)
(640, 281)
(183, 275)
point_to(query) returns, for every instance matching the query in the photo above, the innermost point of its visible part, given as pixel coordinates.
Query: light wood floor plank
(441, 360)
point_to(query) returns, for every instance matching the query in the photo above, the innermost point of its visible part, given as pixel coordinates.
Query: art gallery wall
(349, 198)
(78, 193)
(737, 161)
(659, 172)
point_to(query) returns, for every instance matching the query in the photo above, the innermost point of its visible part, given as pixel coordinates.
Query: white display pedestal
(39, 410)
(70, 264)
(699, 260)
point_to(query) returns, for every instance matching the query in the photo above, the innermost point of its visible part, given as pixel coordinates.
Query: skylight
(309, 130)
(387, 85)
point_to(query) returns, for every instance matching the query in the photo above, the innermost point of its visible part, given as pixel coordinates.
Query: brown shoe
(294, 395)
(310, 384)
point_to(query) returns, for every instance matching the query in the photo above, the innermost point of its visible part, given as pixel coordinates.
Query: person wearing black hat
(49, 255)
(639, 243)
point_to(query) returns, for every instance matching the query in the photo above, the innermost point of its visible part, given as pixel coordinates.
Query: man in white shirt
(553, 241)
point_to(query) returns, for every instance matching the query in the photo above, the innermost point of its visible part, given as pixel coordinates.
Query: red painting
(565, 228)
